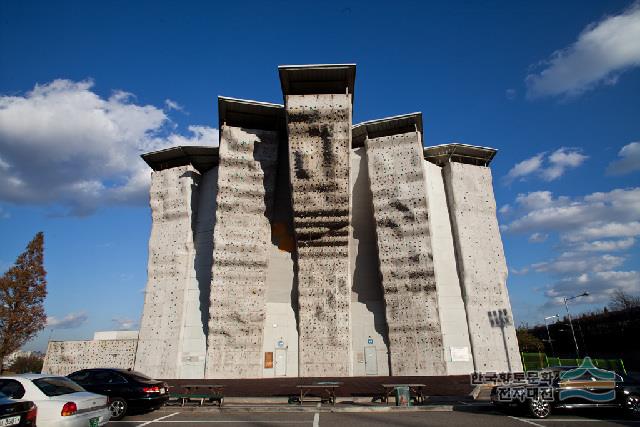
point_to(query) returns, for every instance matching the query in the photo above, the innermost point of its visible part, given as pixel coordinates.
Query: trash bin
(403, 396)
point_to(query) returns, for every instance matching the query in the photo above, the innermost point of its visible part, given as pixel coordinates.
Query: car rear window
(138, 376)
(57, 386)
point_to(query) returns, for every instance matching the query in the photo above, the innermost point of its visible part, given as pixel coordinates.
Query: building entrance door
(370, 361)
(281, 362)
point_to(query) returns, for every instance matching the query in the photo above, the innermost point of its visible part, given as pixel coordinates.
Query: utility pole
(585, 294)
(555, 316)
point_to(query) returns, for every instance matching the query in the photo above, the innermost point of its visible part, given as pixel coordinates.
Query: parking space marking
(158, 419)
(526, 421)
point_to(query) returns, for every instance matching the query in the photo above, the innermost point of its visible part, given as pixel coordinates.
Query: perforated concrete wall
(65, 357)
(246, 181)
(453, 317)
(368, 324)
(193, 340)
(173, 196)
(319, 128)
(482, 267)
(406, 258)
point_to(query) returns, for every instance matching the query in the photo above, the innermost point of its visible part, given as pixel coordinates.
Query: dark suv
(127, 390)
(585, 389)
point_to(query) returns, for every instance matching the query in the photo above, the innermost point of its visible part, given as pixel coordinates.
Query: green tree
(25, 364)
(528, 342)
(23, 289)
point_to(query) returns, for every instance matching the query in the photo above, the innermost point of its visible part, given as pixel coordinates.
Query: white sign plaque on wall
(460, 354)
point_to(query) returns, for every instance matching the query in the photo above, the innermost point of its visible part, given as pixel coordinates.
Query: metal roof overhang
(317, 79)
(249, 114)
(201, 158)
(462, 153)
(383, 127)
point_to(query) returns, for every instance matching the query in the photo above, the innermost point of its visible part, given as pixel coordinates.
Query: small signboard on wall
(370, 341)
(460, 354)
(268, 359)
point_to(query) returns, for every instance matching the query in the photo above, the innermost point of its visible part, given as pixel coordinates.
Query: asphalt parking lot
(477, 416)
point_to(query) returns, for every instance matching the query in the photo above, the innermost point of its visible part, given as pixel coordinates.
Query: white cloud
(629, 160)
(70, 321)
(570, 262)
(525, 167)
(63, 144)
(123, 323)
(600, 286)
(602, 51)
(538, 237)
(596, 216)
(173, 105)
(606, 245)
(548, 168)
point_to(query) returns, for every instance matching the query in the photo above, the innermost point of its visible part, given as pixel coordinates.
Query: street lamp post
(575, 341)
(555, 316)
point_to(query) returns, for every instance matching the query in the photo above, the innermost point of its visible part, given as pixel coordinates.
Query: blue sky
(87, 86)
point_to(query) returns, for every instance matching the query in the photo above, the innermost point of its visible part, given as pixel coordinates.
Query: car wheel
(633, 404)
(118, 408)
(539, 408)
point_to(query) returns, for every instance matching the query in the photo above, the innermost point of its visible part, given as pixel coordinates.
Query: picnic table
(416, 391)
(210, 392)
(328, 387)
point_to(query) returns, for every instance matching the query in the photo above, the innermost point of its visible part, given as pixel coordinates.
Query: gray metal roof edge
(233, 100)
(485, 154)
(179, 151)
(345, 65)
(416, 114)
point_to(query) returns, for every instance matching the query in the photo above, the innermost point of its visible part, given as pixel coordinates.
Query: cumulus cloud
(574, 262)
(595, 216)
(548, 168)
(70, 321)
(629, 160)
(173, 105)
(62, 144)
(124, 324)
(606, 245)
(602, 51)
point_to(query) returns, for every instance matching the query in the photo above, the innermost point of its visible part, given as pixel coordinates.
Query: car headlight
(626, 392)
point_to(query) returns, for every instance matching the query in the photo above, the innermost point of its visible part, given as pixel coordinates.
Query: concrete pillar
(397, 180)
(319, 128)
(246, 181)
(173, 195)
(482, 267)
(368, 324)
(453, 317)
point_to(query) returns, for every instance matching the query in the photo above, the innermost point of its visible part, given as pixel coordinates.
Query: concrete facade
(65, 357)
(319, 128)
(306, 246)
(246, 183)
(173, 200)
(397, 183)
(482, 267)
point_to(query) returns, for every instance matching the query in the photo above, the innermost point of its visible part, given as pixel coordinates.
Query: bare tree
(22, 291)
(620, 300)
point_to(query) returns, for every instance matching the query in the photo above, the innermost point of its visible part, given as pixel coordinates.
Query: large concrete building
(307, 246)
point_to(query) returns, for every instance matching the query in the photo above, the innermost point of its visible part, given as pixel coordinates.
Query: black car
(17, 412)
(127, 390)
(584, 391)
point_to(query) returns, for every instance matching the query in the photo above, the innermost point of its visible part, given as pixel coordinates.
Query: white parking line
(158, 419)
(582, 420)
(526, 421)
(316, 416)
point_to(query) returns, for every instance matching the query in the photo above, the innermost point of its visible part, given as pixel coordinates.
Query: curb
(297, 408)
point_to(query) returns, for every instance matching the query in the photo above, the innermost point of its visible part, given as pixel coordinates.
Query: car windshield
(57, 386)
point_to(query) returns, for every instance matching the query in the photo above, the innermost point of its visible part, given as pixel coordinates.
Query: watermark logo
(587, 382)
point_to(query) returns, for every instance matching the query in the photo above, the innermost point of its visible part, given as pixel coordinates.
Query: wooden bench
(329, 388)
(202, 392)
